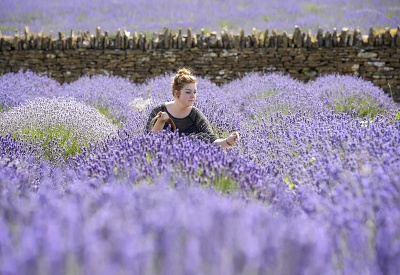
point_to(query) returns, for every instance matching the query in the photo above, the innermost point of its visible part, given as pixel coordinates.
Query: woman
(182, 115)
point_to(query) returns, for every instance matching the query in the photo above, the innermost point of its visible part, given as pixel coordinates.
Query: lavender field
(313, 187)
(152, 16)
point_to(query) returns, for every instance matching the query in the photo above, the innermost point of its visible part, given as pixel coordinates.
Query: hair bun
(183, 72)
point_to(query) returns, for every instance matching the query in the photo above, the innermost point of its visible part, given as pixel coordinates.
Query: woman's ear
(177, 93)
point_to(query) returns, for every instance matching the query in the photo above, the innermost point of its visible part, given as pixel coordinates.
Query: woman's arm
(151, 118)
(160, 120)
(227, 142)
(205, 127)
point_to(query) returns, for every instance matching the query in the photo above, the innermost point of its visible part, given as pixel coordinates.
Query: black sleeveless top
(195, 123)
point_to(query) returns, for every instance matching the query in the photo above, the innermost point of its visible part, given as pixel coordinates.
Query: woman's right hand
(162, 116)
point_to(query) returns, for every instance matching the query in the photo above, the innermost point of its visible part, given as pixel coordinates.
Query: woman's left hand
(233, 138)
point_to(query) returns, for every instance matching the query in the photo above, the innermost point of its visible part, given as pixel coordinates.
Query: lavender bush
(16, 88)
(64, 122)
(311, 188)
(150, 16)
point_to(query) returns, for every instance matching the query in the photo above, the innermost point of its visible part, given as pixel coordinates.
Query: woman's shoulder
(196, 113)
(196, 110)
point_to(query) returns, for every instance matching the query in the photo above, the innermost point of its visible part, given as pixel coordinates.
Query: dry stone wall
(374, 57)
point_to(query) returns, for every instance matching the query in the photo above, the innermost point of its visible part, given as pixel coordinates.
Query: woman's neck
(178, 110)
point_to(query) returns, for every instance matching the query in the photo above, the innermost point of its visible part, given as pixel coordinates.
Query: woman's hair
(181, 78)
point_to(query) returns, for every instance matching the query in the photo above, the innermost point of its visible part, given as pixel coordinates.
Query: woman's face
(187, 96)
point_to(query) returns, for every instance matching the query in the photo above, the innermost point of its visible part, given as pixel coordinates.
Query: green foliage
(32, 16)
(199, 172)
(115, 170)
(81, 17)
(222, 133)
(105, 112)
(222, 183)
(363, 107)
(149, 158)
(312, 8)
(225, 184)
(267, 93)
(53, 140)
(265, 18)
(397, 116)
(390, 15)
(270, 109)
(273, 109)
(289, 183)
(3, 108)
(226, 23)
(6, 28)
(206, 31)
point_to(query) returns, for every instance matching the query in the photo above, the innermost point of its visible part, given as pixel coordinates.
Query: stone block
(367, 55)
(377, 64)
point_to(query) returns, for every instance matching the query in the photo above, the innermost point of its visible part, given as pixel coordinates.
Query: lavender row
(148, 16)
(151, 229)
